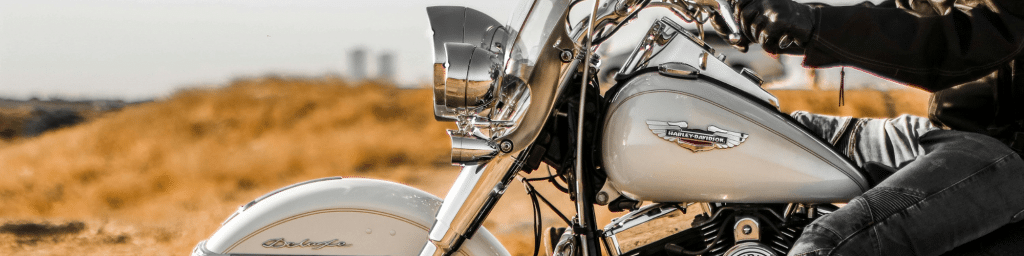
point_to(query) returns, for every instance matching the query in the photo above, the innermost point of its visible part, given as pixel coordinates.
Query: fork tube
(583, 220)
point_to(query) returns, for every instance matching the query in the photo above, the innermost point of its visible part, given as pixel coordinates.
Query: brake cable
(537, 214)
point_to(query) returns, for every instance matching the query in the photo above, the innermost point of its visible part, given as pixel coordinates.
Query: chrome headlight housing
(470, 86)
(468, 56)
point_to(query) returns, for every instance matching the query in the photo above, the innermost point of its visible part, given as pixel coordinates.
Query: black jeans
(949, 188)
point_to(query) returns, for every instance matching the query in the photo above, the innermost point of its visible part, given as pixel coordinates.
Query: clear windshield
(535, 19)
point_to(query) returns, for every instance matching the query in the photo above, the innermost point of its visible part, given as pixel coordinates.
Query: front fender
(336, 216)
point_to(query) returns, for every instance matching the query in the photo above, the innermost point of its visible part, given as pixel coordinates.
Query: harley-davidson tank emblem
(696, 140)
(280, 243)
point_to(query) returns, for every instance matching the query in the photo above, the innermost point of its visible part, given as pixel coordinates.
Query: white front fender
(336, 216)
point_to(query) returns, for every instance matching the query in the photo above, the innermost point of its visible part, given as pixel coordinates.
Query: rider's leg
(963, 186)
(892, 142)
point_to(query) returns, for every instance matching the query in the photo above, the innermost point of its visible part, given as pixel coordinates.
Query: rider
(941, 182)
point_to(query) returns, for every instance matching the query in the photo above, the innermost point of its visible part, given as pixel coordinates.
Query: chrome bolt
(566, 55)
(602, 197)
(505, 146)
(747, 229)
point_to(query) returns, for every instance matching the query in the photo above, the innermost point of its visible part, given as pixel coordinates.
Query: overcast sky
(142, 49)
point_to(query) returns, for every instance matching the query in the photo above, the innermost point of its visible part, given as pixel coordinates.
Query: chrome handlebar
(723, 8)
(615, 12)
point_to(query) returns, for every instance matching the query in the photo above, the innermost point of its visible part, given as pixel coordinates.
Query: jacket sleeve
(929, 47)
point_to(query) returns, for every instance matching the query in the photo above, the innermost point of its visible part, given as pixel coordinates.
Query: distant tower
(386, 66)
(357, 64)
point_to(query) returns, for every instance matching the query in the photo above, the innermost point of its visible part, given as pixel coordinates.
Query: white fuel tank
(669, 139)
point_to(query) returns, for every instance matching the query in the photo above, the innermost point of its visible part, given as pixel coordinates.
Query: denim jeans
(947, 188)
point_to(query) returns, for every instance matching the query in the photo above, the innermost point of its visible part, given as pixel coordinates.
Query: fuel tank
(669, 139)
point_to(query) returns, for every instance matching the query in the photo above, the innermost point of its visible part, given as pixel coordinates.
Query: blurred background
(136, 127)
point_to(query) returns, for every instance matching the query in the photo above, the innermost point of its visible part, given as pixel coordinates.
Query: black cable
(533, 193)
(537, 218)
(537, 224)
(560, 215)
(559, 185)
(555, 181)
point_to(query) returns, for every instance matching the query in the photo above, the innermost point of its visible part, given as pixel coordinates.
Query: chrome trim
(246, 206)
(281, 243)
(637, 217)
(550, 75)
(475, 188)
(740, 232)
(608, 192)
(200, 250)
(429, 250)
(639, 224)
(510, 105)
(566, 245)
(696, 139)
(667, 43)
(680, 70)
(724, 9)
(611, 246)
(470, 78)
(469, 149)
(457, 24)
(750, 74)
(749, 249)
(584, 219)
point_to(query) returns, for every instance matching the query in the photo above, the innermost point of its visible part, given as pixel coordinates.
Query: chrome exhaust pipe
(469, 149)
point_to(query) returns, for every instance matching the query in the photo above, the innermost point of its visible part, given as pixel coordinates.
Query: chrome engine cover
(644, 226)
(750, 249)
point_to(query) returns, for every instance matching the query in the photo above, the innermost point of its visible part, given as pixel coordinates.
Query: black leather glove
(780, 26)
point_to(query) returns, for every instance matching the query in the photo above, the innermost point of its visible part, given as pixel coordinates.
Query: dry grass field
(155, 178)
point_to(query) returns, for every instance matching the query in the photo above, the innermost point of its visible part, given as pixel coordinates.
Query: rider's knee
(967, 145)
(815, 240)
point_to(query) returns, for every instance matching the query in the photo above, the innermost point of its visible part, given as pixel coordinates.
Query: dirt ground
(156, 178)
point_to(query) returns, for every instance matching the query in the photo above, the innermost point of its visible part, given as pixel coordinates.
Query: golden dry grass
(156, 178)
(859, 103)
(187, 160)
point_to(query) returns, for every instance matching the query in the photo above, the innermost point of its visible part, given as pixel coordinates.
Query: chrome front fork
(471, 198)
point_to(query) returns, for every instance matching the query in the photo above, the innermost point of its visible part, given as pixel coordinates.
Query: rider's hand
(780, 26)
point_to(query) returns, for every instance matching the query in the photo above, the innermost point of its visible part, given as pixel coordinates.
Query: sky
(144, 49)
(133, 49)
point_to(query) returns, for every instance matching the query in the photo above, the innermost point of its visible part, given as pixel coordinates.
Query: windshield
(535, 19)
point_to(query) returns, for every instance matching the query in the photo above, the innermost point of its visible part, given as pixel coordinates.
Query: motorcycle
(680, 129)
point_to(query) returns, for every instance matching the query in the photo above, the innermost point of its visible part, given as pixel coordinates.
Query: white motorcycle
(680, 128)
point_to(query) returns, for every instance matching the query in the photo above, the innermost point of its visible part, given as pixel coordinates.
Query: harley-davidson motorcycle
(680, 129)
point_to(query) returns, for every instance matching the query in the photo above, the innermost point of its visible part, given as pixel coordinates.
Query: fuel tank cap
(678, 69)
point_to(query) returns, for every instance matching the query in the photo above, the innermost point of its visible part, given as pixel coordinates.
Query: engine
(718, 229)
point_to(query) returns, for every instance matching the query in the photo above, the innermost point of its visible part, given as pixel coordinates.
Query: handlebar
(724, 9)
(616, 12)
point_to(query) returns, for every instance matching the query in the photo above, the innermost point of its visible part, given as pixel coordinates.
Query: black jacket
(967, 51)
